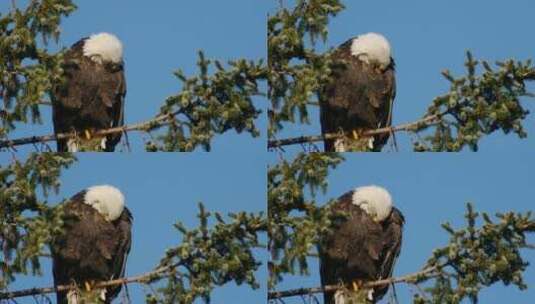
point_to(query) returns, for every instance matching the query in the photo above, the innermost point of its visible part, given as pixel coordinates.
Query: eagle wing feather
(90, 97)
(92, 248)
(358, 97)
(359, 248)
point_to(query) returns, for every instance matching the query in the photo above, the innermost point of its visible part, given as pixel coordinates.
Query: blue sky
(428, 37)
(431, 189)
(161, 189)
(158, 39)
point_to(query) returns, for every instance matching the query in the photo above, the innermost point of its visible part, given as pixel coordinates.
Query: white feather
(72, 297)
(103, 143)
(374, 200)
(372, 47)
(103, 294)
(370, 143)
(342, 297)
(339, 145)
(370, 294)
(72, 145)
(339, 297)
(107, 200)
(104, 47)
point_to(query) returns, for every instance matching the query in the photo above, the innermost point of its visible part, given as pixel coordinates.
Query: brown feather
(91, 97)
(359, 248)
(91, 249)
(358, 97)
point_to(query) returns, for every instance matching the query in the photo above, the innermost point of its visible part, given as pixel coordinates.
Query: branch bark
(403, 279)
(315, 138)
(142, 278)
(158, 121)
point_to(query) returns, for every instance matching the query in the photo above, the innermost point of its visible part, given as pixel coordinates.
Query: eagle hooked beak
(370, 210)
(102, 209)
(97, 58)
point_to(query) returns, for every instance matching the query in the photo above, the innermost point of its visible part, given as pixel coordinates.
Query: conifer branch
(141, 279)
(424, 122)
(410, 278)
(157, 122)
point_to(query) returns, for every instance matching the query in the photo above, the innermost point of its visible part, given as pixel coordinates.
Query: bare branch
(143, 278)
(426, 121)
(427, 272)
(156, 122)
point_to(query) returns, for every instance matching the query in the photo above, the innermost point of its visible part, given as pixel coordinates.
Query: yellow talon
(87, 134)
(87, 286)
(355, 135)
(357, 285)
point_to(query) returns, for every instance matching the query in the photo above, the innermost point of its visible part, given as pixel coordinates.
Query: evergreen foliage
(477, 104)
(221, 249)
(220, 98)
(27, 69)
(476, 256)
(27, 222)
(295, 220)
(212, 256)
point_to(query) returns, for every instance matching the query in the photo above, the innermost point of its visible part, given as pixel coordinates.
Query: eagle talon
(378, 238)
(357, 285)
(361, 93)
(93, 63)
(355, 134)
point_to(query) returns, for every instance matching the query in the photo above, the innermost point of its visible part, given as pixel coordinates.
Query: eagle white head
(107, 200)
(374, 200)
(104, 47)
(372, 47)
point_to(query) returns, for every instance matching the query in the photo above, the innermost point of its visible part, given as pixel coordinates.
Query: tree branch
(143, 278)
(426, 121)
(158, 121)
(428, 272)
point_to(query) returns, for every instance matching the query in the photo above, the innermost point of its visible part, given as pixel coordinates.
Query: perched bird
(95, 243)
(360, 95)
(92, 94)
(362, 247)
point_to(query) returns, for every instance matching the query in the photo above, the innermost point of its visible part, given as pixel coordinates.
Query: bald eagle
(364, 246)
(91, 95)
(95, 243)
(360, 95)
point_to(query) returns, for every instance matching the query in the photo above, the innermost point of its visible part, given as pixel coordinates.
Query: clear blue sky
(161, 189)
(160, 38)
(428, 37)
(431, 189)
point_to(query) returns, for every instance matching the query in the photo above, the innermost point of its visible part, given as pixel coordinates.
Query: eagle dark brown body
(358, 97)
(92, 249)
(91, 97)
(359, 248)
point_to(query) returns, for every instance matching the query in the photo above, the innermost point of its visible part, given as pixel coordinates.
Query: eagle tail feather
(73, 297)
(344, 296)
(72, 145)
